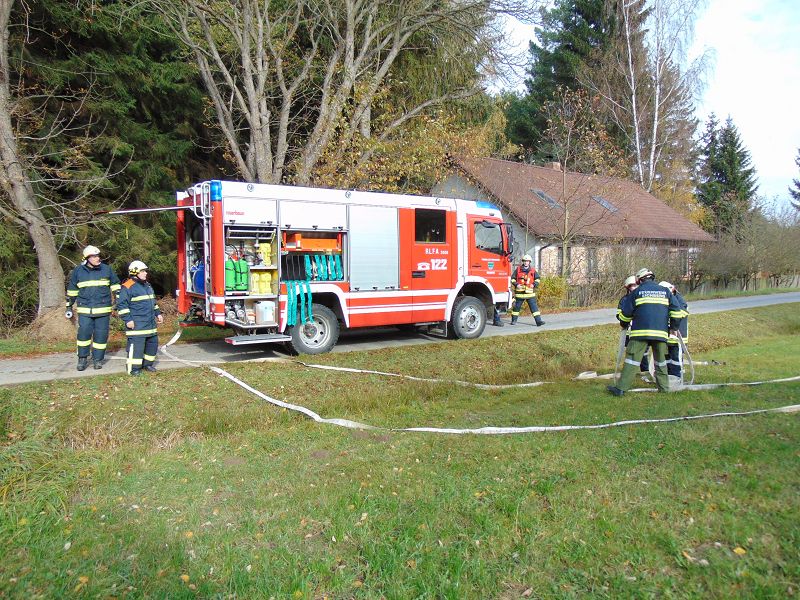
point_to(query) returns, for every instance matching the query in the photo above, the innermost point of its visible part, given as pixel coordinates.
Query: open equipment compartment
(251, 276)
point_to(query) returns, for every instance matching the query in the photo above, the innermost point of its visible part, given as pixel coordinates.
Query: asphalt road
(62, 366)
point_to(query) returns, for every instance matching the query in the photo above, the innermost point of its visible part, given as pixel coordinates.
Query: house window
(429, 226)
(549, 200)
(592, 266)
(691, 259)
(605, 204)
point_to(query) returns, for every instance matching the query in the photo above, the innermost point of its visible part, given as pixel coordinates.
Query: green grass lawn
(182, 484)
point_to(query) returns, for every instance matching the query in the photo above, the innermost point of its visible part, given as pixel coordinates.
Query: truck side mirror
(509, 230)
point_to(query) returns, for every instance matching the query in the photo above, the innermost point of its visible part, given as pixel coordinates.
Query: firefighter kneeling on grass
(139, 311)
(524, 281)
(653, 313)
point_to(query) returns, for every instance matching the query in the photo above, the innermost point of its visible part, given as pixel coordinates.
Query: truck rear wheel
(317, 336)
(469, 318)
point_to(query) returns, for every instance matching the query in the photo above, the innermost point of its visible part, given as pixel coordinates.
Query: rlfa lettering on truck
(294, 265)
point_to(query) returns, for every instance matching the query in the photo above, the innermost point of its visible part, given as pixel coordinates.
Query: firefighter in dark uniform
(653, 312)
(674, 354)
(139, 311)
(93, 286)
(631, 284)
(524, 282)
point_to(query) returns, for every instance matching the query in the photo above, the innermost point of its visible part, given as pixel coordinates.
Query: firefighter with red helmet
(524, 281)
(92, 286)
(138, 309)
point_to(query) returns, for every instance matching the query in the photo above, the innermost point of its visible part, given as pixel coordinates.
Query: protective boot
(498, 323)
(82, 362)
(98, 364)
(539, 322)
(150, 368)
(514, 319)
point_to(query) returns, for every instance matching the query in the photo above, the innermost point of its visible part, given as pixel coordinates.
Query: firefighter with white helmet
(138, 309)
(653, 313)
(524, 281)
(93, 286)
(630, 284)
(674, 354)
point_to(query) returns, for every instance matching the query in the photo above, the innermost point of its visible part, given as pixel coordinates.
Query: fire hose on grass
(346, 423)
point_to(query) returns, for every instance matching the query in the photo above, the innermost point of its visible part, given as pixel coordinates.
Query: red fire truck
(294, 265)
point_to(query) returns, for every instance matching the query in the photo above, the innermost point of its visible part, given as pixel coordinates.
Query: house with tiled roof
(589, 214)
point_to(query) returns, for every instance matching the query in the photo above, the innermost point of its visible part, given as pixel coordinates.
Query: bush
(551, 292)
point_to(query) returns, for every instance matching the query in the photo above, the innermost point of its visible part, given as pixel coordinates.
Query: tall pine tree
(727, 178)
(794, 189)
(572, 32)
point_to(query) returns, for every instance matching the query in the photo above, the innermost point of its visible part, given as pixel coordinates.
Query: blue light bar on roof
(216, 191)
(484, 204)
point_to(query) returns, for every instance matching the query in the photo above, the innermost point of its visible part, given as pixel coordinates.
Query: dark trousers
(633, 358)
(674, 359)
(518, 302)
(93, 331)
(141, 351)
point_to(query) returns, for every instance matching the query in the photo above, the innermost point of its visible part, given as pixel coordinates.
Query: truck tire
(469, 318)
(317, 336)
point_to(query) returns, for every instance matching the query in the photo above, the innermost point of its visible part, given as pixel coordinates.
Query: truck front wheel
(469, 318)
(317, 336)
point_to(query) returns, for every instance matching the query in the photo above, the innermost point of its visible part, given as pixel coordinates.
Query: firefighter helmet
(667, 285)
(91, 251)
(629, 281)
(644, 274)
(136, 266)
(527, 257)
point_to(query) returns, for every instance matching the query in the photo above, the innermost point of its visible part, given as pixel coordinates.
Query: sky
(754, 78)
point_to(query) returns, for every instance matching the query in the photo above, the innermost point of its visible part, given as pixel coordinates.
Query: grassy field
(181, 484)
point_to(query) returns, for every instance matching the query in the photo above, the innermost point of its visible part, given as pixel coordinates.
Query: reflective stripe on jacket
(652, 311)
(524, 282)
(137, 303)
(683, 326)
(93, 288)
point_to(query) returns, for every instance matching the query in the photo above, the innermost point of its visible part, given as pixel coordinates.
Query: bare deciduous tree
(646, 92)
(284, 78)
(46, 173)
(581, 144)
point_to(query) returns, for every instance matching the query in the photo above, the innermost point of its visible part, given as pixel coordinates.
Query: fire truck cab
(295, 265)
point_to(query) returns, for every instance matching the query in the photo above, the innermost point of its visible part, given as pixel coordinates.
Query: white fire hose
(483, 430)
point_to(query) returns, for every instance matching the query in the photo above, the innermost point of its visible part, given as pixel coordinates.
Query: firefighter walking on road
(653, 313)
(138, 309)
(524, 281)
(92, 286)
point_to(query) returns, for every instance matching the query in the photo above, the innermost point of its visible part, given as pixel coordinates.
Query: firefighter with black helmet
(92, 286)
(138, 309)
(524, 281)
(653, 313)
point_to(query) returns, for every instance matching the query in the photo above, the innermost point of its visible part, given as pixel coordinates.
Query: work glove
(623, 325)
(536, 283)
(68, 313)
